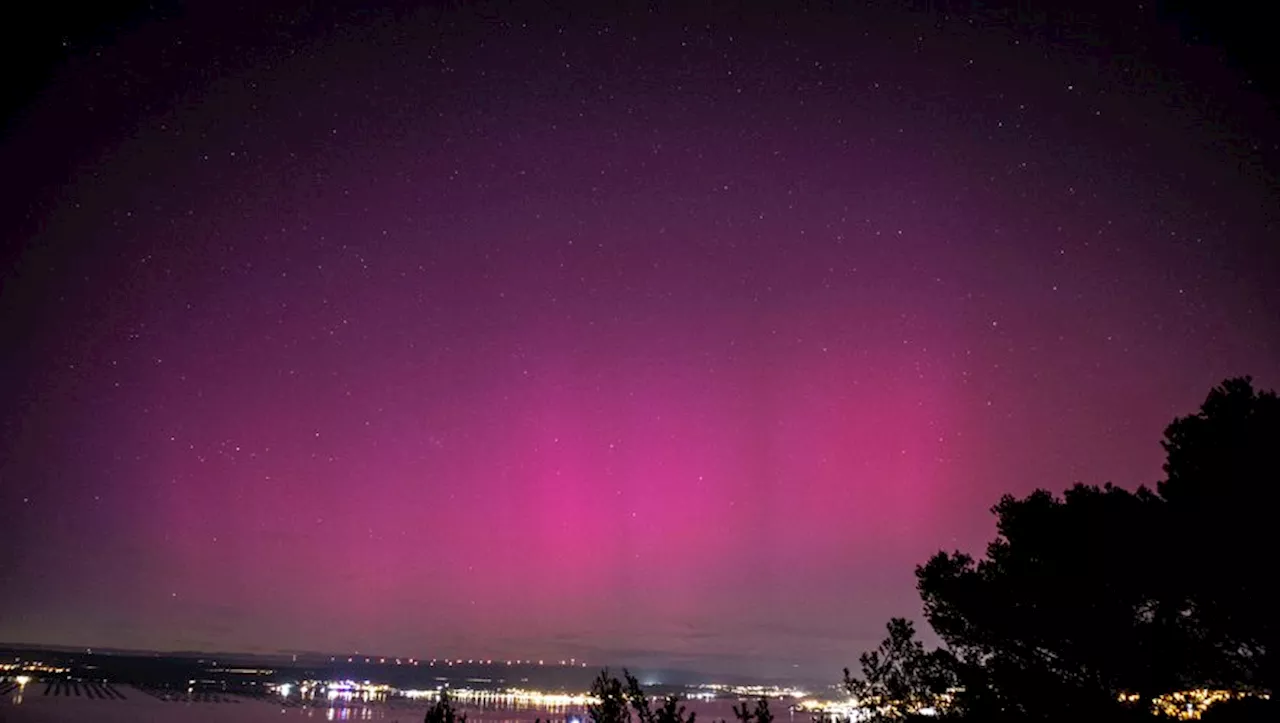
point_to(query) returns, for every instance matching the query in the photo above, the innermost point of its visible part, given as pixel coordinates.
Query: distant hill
(405, 673)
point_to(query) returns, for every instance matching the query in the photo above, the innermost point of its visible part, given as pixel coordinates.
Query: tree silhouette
(1071, 606)
(639, 701)
(442, 711)
(671, 710)
(1104, 592)
(612, 700)
(1222, 485)
(900, 679)
(759, 714)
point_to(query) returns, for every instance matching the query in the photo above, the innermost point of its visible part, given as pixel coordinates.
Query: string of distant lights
(451, 662)
(368, 690)
(1183, 705)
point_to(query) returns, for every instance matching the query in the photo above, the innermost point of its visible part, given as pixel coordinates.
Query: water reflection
(399, 709)
(349, 714)
(133, 704)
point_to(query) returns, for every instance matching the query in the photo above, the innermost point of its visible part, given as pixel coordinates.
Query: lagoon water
(32, 706)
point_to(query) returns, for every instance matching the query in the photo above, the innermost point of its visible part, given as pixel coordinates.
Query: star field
(522, 331)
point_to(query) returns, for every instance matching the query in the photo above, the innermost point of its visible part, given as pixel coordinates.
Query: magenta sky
(638, 336)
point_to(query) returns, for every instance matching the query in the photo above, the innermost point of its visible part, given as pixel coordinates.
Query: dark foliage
(617, 701)
(1222, 486)
(759, 714)
(671, 710)
(442, 711)
(1104, 591)
(612, 697)
(1066, 608)
(900, 678)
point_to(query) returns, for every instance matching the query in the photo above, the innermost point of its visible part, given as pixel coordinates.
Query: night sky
(626, 334)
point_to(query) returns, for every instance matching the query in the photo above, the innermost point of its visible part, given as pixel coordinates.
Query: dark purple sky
(663, 335)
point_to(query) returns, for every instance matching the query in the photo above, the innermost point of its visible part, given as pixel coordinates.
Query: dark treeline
(1092, 605)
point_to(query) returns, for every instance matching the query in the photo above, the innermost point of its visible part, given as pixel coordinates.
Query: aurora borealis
(638, 333)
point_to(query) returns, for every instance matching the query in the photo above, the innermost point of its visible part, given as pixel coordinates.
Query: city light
(841, 709)
(511, 696)
(34, 666)
(754, 691)
(1190, 704)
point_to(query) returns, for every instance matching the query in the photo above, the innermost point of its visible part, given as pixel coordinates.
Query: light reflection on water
(140, 707)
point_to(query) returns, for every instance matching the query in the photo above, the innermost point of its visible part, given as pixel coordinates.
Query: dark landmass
(233, 670)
